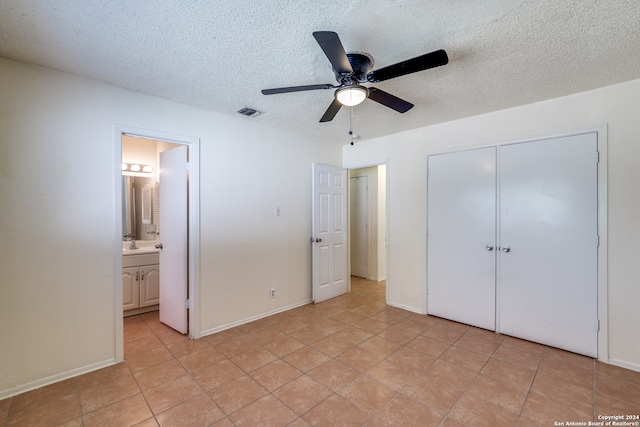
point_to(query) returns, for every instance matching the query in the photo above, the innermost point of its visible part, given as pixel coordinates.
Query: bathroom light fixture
(352, 95)
(136, 167)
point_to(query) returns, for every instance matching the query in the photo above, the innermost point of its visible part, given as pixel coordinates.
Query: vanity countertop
(142, 247)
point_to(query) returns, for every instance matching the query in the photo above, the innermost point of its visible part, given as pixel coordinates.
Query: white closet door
(461, 235)
(547, 281)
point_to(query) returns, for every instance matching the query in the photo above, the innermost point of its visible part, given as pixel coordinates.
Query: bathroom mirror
(138, 215)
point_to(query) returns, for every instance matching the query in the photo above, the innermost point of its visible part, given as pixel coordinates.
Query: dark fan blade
(332, 47)
(331, 111)
(295, 89)
(388, 100)
(420, 63)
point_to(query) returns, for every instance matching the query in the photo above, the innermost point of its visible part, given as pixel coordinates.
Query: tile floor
(350, 361)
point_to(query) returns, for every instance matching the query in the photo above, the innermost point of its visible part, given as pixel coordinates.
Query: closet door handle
(506, 249)
(489, 247)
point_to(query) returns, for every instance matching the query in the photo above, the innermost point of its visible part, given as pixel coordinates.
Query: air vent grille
(249, 112)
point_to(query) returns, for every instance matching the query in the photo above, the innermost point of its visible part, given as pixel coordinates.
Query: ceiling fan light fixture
(352, 95)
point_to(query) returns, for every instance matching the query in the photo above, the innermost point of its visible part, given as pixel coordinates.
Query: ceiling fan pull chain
(351, 124)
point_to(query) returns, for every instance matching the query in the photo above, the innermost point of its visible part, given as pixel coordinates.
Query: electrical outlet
(272, 293)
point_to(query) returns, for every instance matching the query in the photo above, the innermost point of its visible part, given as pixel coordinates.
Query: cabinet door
(461, 235)
(547, 282)
(149, 285)
(130, 288)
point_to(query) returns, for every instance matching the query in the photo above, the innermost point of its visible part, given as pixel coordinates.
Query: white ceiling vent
(249, 112)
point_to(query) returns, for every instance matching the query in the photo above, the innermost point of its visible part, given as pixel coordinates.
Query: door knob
(318, 239)
(489, 247)
(159, 246)
(506, 249)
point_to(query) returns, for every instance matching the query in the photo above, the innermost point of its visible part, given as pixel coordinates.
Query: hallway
(349, 361)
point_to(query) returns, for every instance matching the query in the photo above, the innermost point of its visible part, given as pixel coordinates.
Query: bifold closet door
(547, 268)
(461, 236)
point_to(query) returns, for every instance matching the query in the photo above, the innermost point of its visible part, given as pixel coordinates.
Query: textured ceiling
(218, 55)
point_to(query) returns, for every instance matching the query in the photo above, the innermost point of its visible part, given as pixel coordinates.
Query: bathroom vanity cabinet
(140, 283)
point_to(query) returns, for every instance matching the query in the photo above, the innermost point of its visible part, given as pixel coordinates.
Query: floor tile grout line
(474, 378)
(357, 309)
(521, 414)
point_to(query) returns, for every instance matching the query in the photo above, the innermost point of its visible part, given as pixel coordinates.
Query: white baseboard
(406, 307)
(623, 364)
(252, 318)
(55, 378)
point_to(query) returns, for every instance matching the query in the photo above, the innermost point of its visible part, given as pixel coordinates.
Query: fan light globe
(352, 95)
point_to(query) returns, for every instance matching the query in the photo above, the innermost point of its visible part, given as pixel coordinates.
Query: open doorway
(140, 226)
(368, 222)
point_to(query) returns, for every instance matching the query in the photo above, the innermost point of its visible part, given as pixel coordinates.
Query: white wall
(371, 173)
(382, 222)
(58, 223)
(617, 106)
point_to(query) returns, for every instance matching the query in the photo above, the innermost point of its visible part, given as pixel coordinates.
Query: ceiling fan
(352, 69)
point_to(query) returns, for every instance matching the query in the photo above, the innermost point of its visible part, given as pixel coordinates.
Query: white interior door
(359, 215)
(329, 238)
(173, 236)
(461, 236)
(547, 281)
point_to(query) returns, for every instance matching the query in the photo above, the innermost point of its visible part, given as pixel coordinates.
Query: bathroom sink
(139, 251)
(142, 248)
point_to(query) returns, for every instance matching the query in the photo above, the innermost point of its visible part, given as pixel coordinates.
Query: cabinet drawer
(142, 259)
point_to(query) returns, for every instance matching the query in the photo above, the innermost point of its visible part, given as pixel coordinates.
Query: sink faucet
(133, 245)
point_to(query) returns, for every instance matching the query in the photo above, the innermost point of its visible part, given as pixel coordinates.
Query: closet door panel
(547, 281)
(461, 223)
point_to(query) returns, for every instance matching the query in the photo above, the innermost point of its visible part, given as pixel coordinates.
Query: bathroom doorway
(138, 155)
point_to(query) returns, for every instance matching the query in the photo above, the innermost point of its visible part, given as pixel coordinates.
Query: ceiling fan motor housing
(361, 63)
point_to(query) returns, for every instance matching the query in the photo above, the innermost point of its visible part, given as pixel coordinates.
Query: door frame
(193, 144)
(360, 165)
(601, 131)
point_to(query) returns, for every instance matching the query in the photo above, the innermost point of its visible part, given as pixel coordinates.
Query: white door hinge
(188, 166)
(597, 240)
(186, 304)
(598, 325)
